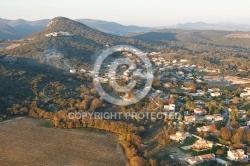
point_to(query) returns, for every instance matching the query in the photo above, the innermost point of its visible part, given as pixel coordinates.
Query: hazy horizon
(130, 24)
(141, 13)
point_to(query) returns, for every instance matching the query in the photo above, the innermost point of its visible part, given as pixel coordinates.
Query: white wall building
(178, 136)
(236, 155)
(215, 94)
(170, 107)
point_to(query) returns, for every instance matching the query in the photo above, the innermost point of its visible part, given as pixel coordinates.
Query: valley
(201, 84)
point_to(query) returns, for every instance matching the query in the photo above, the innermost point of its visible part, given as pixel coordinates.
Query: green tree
(190, 105)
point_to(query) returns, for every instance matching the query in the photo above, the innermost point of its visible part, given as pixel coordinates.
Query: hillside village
(125, 83)
(206, 109)
(201, 97)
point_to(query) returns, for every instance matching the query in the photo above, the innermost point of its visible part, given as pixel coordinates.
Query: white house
(201, 93)
(202, 144)
(103, 80)
(200, 159)
(236, 155)
(178, 136)
(245, 94)
(174, 61)
(205, 157)
(200, 111)
(82, 70)
(72, 70)
(247, 89)
(167, 85)
(189, 119)
(215, 117)
(210, 90)
(215, 94)
(197, 102)
(183, 60)
(203, 129)
(170, 107)
(60, 33)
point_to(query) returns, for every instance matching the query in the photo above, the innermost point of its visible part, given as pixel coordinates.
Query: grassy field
(217, 83)
(28, 141)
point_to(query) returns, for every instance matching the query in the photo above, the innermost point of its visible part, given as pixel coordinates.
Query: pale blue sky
(131, 12)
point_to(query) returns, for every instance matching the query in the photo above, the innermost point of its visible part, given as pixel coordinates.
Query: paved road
(227, 115)
(180, 155)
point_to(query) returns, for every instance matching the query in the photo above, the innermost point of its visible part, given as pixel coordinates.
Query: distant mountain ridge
(18, 22)
(29, 27)
(113, 27)
(223, 26)
(16, 29)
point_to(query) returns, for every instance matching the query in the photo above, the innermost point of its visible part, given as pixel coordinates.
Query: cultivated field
(12, 46)
(239, 35)
(24, 141)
